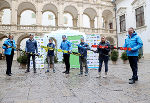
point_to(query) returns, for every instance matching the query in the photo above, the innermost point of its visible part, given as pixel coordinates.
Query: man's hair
(103, 37)
(51, 39)
(31, 34)
(131, 28)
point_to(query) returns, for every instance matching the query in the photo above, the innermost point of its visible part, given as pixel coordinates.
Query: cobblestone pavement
(60, 88)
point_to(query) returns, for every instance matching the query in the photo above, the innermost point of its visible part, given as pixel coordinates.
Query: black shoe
(67, 73)
(64, 72)
(35, 71)
(9, 74)
(80, 74)
(27, 71)
(132, 81)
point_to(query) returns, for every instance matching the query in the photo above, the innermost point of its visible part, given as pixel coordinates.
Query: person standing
(9, 47)
(50, 55)
(82, 49)
(31, 48)
(103, 55)
(66, 45)
(134, 42)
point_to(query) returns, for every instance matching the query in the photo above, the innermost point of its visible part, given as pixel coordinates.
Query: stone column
(80, 19)
(60, 15)
(92, 23)
(1, 14)
(99, 19)
(14, 16)
(56, 21)
(39, 17)
(75, 22)
(14, 13)
(18, 20)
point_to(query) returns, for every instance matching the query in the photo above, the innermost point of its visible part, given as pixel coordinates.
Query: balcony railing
(43, 29)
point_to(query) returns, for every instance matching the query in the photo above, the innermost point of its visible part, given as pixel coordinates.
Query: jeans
(9, 59)
(50, 60)
(28, 65)
(83, 61)
(105, 59)
(134, 66)
(67, 61)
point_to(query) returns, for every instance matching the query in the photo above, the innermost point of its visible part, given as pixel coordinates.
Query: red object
(120, 48)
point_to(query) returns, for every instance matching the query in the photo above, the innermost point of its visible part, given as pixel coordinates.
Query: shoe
(80, 74)
(35, 71)
(27, 71)
(86, 74)
(132, 81)
(9, 74)
(64, 72)
(105, 76)
(99, 75)
(47, 71)
(53, 70)
(67, 73)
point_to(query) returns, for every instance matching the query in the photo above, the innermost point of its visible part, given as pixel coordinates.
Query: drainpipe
(115, 9)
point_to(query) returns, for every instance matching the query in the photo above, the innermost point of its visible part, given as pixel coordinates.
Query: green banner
(74, 60)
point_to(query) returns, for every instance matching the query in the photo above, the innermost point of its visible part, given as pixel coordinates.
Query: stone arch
(4, 4)
(51, 8)
(107, 19)
(25, 6)
(92, 14)
(74, 12)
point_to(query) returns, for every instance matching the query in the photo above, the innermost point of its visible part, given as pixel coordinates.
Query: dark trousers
(105, 59)
(83, 61)
(33, 58)
(134, 66)
(9, 59)
(67, 61)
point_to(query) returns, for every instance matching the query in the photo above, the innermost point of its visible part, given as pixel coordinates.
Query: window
(140, 17)
(122, 23)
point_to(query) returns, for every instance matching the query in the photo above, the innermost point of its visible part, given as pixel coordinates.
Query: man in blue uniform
(66, 45)
(134, 42)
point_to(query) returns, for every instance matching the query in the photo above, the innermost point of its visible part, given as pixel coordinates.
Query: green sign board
(74, 60)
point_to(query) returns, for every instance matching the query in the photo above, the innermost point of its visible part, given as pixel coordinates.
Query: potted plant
(124, 57)
(22, 59)
(114, 56)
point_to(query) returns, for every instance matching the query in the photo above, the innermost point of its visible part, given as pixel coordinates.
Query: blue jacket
(50, 52)
(104, 51)
(66, 45)
(82, 49)
(8, 50)
(31, 46)
(135, 43)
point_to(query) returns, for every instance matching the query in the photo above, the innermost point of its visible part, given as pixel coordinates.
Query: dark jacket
(31, 46)
(82, 49)
(104, 51)
(50, 52)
